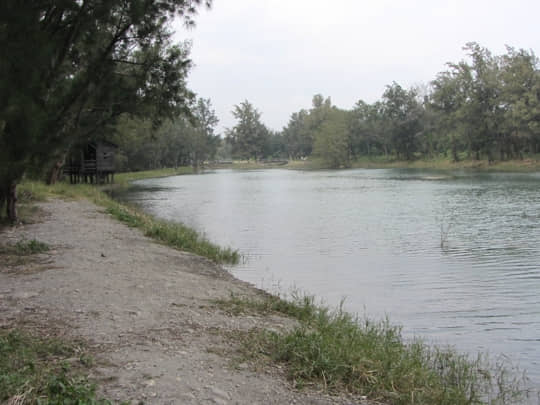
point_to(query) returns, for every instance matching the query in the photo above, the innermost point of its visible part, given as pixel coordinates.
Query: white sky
(278, 53)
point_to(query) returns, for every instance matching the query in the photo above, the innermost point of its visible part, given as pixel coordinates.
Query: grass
(172, 234)
(30, 247)
(24, 248)
(531, 163)
(337, 352)
(302, 308)
(43, 371)
(21, 252)
(125, 178)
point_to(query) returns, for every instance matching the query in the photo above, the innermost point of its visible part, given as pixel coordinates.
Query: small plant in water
(447, 222)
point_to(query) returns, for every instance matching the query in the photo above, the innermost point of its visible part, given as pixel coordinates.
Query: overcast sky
(278, 53)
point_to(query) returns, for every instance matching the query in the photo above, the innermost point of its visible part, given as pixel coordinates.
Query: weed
(337, 351)
(302, 308)
(125, 178)
(30, 247)
(21, 252)
(173, 234)
(35, 370)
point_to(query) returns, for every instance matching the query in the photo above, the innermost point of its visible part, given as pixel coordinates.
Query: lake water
(453, 257)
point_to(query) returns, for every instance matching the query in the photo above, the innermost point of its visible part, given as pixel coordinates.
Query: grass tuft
(125, 178)
(41, 371)
(300, 307)
(336, 351)
(172, 234)
(24, 248)
(30, 247)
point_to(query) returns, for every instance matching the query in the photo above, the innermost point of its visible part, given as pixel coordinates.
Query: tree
(249, 136)
(403, 117)
(320, 112)
(275, 145)
(183, 140)
(202, 143)
(520, 82)
(365, 129)
(332, 139)
(297, 137)
(68, 68)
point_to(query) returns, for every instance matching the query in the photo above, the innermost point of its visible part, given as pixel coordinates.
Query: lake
(454, 257)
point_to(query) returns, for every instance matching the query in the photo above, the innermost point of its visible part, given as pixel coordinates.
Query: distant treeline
(485, 107)
(186, 140)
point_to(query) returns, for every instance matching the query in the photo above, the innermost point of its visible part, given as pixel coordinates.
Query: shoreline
(143, 292)
(147, 311)
(518, 166)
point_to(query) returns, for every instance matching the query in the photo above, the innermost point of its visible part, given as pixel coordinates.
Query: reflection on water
(453, 257)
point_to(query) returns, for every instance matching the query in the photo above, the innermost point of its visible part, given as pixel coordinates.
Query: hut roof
(105, 143)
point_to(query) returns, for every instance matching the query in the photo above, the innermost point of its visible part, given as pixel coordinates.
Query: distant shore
(517, 165)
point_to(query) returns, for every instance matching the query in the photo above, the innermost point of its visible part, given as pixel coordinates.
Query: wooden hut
(94, 163)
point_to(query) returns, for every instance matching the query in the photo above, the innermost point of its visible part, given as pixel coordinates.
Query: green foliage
(480, 106)
(125, 178)
(30, 247)
(249, 137)
(332, 139)
(173, 234)
(69, 68)
(297, 137)
(24, 248)
(181, 141)
(485, 107)
(302, 308)
(338, 351)
(35, 370)
(402, 116)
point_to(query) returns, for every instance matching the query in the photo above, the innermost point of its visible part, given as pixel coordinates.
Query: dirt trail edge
(145, 309)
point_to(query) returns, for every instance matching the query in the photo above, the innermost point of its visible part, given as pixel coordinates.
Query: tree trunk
(455, 155)
(55, 172)
(3, 198)
(11, 199)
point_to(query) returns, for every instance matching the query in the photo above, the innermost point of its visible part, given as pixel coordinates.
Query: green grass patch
(21, 252)
(125, 178)
(30, 247)
(441, 163)
(43, 371)
(337, 351)
(300, 307)
(172, 234)
(24, 248)
(528, 164)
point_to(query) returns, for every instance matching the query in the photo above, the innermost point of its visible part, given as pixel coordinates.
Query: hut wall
(105, 157)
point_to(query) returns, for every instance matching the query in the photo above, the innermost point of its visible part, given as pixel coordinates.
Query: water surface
(453, 257)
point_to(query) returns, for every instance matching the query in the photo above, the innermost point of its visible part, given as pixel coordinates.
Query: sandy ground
(146, 311)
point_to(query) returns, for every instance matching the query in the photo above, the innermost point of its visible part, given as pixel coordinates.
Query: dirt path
(147, 311)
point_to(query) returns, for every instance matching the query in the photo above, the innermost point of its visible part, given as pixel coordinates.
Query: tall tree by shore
(68, 68)
(248, 138)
